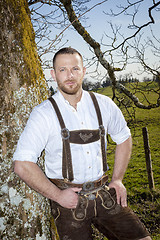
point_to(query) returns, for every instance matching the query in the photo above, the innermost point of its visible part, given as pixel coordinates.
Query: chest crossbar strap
(82, 136)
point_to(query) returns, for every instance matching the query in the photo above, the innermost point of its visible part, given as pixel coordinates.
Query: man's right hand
(32, 175)
(68, 198)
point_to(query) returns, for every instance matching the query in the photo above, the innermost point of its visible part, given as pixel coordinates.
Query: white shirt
(43, 131)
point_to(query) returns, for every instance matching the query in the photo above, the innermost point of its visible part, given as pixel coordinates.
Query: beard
(69, 89)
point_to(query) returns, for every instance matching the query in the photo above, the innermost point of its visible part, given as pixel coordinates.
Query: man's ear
(53, 74)
(84, 70)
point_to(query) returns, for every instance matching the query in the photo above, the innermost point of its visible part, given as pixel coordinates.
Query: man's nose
(70, 74)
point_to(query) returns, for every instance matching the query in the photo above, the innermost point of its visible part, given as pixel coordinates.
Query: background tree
(115, 51)
(101, 55)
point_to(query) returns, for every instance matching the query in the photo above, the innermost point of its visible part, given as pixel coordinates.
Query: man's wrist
(56, 194)
(116, 180)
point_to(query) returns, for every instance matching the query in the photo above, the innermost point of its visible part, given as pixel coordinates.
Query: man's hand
(68, 198)
(120, 191)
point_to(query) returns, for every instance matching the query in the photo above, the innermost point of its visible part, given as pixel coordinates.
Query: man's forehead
(75, 59)
(68, 55)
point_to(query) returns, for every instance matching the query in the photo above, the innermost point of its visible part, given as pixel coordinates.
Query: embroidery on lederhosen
(85, 137)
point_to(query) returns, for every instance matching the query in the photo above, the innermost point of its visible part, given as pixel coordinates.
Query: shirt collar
(61, 97)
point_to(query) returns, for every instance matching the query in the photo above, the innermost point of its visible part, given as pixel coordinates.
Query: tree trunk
(24, 213)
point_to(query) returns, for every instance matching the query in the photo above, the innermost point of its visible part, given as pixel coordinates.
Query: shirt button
(82, 123)
(87, 152)
(89, 167)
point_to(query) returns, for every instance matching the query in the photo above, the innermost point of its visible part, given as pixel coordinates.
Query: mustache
(70, 80)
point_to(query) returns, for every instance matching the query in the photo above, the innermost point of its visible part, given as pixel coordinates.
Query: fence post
(148, 158)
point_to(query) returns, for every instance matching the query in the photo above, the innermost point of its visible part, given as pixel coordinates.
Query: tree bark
(24, 214)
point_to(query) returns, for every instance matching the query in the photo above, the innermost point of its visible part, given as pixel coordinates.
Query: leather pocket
(108, 198)
(80, 212)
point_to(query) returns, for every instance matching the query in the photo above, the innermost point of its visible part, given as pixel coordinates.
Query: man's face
(69, 73)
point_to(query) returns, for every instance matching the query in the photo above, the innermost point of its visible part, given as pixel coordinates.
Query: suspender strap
(66, 159)
(101, 130)
(97, 108)
(62, 124)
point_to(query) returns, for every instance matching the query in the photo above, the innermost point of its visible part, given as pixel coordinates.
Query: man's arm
(33, 176)
(122, 156)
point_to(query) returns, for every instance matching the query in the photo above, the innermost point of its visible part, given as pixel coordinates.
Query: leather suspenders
(101, 131)
(80, 137)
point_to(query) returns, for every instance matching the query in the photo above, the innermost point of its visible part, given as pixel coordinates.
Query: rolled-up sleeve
(117, 126)
(122, 136)
(33, 139)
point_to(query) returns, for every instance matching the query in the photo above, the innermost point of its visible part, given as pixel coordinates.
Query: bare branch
(100, 55)
(31, 2)
(124, 9)
(138, 28)
(64, 11)
(52, 43)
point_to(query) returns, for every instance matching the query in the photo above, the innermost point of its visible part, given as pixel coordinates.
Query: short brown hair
(66, 50)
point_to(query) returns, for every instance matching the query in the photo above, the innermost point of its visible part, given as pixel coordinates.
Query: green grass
(143, 201)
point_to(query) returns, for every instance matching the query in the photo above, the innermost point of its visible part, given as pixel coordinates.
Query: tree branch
(139, 28)
(31, 2)
(97, 50)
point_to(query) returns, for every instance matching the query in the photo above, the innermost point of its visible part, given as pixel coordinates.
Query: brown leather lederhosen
(114, 221)
(83, 136)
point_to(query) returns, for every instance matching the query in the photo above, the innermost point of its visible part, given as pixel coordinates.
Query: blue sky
(97, 23)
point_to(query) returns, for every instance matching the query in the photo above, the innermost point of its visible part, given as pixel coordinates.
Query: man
(71, 127)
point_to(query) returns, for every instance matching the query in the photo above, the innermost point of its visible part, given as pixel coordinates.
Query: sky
(98, 27)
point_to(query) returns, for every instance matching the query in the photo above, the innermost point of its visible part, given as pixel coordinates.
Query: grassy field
(144, 202)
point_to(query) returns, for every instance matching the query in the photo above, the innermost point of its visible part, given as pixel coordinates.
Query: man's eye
(75, 68)
(62, 70)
